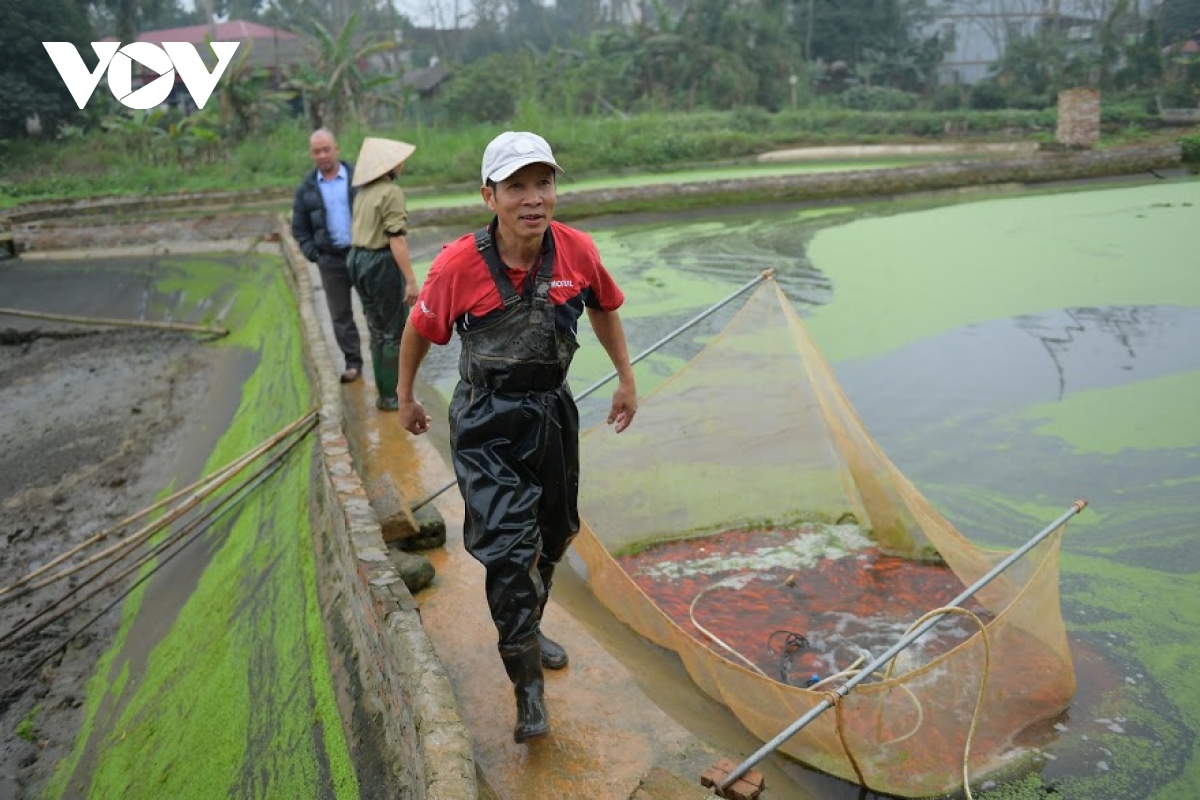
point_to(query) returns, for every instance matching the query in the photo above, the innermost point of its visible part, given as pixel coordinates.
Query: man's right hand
(413, 417)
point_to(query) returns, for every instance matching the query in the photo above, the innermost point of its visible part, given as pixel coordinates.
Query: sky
(434, 13)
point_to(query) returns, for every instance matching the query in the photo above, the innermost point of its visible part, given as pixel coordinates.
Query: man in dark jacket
(321, 225)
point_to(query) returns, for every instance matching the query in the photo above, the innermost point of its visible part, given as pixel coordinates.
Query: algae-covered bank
(216, 682)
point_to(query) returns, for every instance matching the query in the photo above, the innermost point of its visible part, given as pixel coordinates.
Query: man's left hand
(624, 406)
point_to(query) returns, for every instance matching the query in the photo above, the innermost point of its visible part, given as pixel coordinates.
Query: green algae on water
(1114, 419)
(908, 277)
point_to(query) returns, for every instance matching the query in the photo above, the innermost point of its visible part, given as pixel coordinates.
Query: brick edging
(398, 707)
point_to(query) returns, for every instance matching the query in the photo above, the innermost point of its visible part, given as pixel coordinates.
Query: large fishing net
(748, 522)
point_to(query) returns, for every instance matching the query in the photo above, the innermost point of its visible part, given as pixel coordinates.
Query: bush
(751, 119)
(1191, 149)
(877, 98)
(988, 97)
(949, 98)
(483, 92)
(1028, 101)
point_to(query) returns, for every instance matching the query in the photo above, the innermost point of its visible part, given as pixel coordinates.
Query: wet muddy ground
(91, 421)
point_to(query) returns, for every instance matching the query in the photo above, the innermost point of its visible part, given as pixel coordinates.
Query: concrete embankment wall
(398, 708)
(112, 222)
(1038, 168)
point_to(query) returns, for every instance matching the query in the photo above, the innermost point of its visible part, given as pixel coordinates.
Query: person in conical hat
(379, 261)
(515, 291)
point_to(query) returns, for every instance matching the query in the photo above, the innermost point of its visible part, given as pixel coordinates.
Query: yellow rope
(983, 681)
(833, 697)
(713, 636)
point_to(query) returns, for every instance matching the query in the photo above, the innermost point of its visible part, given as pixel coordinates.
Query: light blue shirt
(336, 194)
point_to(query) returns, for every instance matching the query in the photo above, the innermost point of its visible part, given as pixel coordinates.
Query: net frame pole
(689, 324)
(895, 649)
(762, 276)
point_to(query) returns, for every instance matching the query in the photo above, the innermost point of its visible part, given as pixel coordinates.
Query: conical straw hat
(378, 157)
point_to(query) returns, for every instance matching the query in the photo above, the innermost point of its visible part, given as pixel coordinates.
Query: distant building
(426, 82)
(977, 32)
(271, 48)
(1188, 47)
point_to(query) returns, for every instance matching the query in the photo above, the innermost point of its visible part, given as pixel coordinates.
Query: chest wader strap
(486, 246)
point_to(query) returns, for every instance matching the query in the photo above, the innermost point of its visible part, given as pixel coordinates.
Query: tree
(124, 19)
(30, 86)
(843, 29)
(335, 83)
(249, 102)
(680, 54)
(1033, 65)
(1179, 20)
(241, 9)
(485, 91)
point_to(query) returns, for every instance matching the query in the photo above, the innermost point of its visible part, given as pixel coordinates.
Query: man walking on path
(321, 225)
(515, 291)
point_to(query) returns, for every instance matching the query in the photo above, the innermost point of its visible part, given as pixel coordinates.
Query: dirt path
(90, 424)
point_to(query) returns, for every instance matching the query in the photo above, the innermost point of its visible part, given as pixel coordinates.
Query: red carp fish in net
(748, 522)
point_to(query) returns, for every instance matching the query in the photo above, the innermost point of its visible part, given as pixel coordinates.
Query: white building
(977, 32)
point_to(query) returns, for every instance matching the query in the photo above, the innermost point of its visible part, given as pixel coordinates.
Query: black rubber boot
(554, 655)
(524, 669)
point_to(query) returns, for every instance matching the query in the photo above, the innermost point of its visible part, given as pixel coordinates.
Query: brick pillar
(1078, 118)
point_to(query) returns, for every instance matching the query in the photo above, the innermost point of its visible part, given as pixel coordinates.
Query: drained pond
(207, 675)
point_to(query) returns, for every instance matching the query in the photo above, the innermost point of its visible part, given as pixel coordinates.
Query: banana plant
(248, 101)
(336, 82)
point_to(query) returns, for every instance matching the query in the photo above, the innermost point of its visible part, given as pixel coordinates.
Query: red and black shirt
(460, 290)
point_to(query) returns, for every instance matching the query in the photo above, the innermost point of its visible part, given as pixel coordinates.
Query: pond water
(1010, 354)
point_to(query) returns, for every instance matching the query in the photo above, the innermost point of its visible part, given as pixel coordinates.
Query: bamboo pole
(766, 274)
(190, 533)
(841, 691)
(40, 621)
(128, 323)
(200, 489)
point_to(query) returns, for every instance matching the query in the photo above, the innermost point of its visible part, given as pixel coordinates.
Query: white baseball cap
(512, 150)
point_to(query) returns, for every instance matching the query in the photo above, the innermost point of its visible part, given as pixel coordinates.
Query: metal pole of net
(762, 276)
(895, 649)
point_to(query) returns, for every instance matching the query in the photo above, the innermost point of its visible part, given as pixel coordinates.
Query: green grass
(98, 163)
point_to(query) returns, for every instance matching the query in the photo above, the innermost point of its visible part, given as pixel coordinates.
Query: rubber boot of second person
(554, 655)
(385, 359)
(524, 668)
